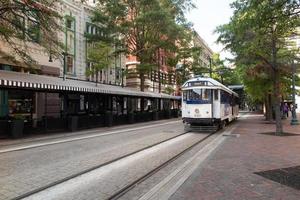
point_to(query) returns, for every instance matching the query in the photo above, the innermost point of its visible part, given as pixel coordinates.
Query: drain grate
(286, 176)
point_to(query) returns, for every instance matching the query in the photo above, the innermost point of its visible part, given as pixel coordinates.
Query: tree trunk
(268, 101)
(267, 106)
(158, 71)
(277, 99)
(97, 76)
(276, 83)
(142, 78)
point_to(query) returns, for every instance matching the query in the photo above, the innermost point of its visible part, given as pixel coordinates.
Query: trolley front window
(197, 96)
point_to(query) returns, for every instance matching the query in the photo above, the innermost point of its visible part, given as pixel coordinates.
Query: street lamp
(122, 77)
(294, 120)
(64, 54)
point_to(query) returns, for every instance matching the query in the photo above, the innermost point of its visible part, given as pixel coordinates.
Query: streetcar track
(30, 193)
(130, 186)
(8, 149)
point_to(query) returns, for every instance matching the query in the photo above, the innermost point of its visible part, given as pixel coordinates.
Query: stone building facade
(76, 21)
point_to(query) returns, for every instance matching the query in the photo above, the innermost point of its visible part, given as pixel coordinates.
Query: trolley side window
(197, 96)
(184, 95)
(226, 98)
(216, 94)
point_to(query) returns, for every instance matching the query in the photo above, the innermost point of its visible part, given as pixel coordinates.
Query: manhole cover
(285, 176)
(282, 135)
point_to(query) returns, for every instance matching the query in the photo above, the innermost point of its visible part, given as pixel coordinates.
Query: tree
(143, 27)
(100, 54)
(43, 23)
(225, 75)
(257, 35)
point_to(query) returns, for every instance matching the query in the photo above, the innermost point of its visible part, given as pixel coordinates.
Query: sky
(206, 17)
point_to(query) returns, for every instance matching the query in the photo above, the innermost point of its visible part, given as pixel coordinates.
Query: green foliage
(142, 27)
(169, 90)
(258, 35)
(189, 59)
(100, 54)
(22, 21)
(251, 35)
(223, 74)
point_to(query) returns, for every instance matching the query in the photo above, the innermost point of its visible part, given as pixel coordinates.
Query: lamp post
(64, 66)
(122, 77)
(294, 120)
(64, 54)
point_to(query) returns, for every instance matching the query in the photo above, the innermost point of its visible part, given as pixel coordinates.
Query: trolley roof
(206, 82)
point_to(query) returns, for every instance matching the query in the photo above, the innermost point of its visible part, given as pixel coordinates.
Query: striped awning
(18, 80)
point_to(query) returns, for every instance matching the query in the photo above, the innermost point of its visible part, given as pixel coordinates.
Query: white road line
(39, 144)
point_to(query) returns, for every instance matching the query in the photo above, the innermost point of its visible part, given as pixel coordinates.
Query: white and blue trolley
(208, 103)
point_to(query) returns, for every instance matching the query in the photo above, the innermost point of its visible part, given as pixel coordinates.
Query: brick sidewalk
(229, 173)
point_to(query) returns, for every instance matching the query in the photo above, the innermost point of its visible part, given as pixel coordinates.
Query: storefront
(49, 103)
(21, 103)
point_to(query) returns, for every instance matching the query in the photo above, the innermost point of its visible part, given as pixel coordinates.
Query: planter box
(155, 115)
(167, 114)
(108, 119)
(16, 128)
(72, 123)
(175, 113)
(131, 118)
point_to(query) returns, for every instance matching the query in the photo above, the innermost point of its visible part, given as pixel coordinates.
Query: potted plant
(72, 123)
(108, 118)
(155, 114)
(17, 126)
(131, 117)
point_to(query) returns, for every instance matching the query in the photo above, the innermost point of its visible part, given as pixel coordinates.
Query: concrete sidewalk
(252, 166)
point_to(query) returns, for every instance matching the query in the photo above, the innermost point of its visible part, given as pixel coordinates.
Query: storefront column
(3, 103)
(4, 97)
(45, 111)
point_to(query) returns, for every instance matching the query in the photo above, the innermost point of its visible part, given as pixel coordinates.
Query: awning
(19, 80)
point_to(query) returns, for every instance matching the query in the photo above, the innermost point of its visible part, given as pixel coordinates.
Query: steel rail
(30, 193)
(130, 186)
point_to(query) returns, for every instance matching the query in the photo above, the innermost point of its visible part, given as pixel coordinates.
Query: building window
(70, 44)
(70, 23)
(33, 30)
(21, 103)
(91, 29)
(19, 22)
(70, 64)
